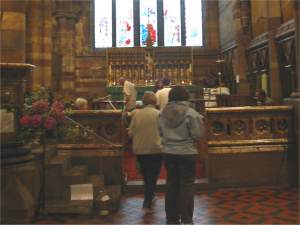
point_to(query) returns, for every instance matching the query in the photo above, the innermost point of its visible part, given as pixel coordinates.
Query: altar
(144, 66)
(115, 92)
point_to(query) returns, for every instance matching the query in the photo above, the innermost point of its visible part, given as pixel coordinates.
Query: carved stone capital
(69, 10)
(68, 15)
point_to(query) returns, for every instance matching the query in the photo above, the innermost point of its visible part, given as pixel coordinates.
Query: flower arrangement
(43, 117)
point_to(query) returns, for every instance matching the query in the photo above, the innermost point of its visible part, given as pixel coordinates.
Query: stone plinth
(100, 159)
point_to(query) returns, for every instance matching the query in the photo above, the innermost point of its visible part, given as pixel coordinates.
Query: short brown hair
(178, 93)
(149, 98)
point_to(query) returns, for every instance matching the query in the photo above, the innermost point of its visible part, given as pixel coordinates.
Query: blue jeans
(179, 200)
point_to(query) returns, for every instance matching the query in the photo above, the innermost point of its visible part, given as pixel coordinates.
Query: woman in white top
(147, 145)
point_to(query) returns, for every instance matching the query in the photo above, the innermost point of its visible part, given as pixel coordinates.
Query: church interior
(66, 165)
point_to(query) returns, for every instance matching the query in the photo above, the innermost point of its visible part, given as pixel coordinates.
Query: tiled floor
(264, 205)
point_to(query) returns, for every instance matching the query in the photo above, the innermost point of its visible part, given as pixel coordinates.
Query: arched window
(128, 23)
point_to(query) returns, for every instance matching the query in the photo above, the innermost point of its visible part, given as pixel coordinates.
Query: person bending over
(147, 146)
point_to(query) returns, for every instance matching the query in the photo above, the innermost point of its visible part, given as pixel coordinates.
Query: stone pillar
(39, 42)
(33, 41)
(296, 93)
(274, 21)
(19, 173)
(47, 42)
(294, 100)
(241, 16)
(12, 31)
(66, 15)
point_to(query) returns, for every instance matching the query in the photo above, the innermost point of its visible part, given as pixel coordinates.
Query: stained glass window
(103, 23)
(148, 21)
(193, 22)
(172, 23)
(124, 23)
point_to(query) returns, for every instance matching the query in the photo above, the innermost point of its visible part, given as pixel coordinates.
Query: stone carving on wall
(282, 125)
(262, 126)
(108, 129)
(239, 127)
(218, 128)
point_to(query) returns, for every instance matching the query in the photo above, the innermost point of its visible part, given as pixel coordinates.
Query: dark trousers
(150, 169)
(179, 199)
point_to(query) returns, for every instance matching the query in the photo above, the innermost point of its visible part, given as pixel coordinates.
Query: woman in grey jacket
(180, 127)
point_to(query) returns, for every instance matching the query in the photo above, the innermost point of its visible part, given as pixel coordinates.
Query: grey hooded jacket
(180, 126)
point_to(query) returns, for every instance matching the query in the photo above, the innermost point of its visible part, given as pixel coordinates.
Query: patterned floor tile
(231, 206)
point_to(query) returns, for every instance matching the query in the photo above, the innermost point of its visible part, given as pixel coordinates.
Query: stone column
(66, 15)
(294, 100)
(33, 41)
(296, 93)
(241, 16)
(39, 41)
(13, 31)
(274, 21)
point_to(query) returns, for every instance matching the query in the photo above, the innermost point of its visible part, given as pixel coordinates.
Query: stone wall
(227, 31)
(13, 31)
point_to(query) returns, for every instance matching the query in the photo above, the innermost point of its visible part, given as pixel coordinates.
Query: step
(81, 207)
(98, 183)
(60, 161)
(55, 184)
(76, 175)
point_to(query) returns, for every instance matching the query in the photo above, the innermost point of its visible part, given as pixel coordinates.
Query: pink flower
(40, 106)
(60, 116)
(36, 120)
(25, 121)
(57, 106)
(50, 123)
